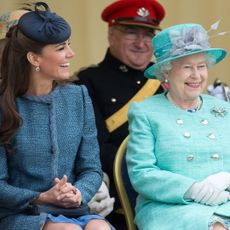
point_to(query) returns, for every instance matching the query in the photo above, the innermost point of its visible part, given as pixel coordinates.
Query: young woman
(48, 147)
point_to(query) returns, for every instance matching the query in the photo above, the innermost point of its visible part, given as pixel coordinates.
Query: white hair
(160, 70)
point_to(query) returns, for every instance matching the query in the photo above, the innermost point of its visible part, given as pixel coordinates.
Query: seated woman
(178, 152)
(48, 145)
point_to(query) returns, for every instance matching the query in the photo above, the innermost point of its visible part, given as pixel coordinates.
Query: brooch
(219, 111)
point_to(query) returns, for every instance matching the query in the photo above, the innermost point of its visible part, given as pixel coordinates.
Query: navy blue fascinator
(44, 26)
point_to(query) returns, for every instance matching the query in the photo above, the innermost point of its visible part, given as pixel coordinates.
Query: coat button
(187, 135)
(211, 136)
(215, 157)
(179, 122)
(113, 100)
(190, 157)
(204, 122)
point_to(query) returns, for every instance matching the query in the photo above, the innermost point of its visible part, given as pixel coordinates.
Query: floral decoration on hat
(190, 39)
(9, 19)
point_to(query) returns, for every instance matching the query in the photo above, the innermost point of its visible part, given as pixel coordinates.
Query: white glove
(102, 203)
(205, 192)
(220, 180)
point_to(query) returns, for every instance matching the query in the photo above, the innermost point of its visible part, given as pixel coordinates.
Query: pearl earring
(37, 68)
(166, 80)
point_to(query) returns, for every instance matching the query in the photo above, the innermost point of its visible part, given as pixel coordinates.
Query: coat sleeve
(12, 198)
(147, 178)
(88, 164)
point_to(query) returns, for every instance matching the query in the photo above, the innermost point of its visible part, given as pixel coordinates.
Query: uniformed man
(119, 77)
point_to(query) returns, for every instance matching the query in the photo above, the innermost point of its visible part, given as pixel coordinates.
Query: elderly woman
(49, 155)
(178, 152)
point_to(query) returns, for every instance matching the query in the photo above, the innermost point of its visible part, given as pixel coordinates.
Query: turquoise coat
(58, 136)
(168, 150)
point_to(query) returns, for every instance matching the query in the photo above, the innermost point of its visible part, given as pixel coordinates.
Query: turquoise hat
(179, 41)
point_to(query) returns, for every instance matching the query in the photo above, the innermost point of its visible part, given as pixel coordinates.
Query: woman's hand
(205, 192)
(69, 195)
(62, 194)
(102, 203)
(220, 180)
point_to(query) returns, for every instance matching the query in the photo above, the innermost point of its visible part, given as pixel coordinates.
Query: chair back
(126, 193)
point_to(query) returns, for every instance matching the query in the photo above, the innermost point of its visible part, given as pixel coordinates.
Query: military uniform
(111, 84)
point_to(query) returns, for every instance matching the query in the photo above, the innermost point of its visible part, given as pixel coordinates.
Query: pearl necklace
(191, 110)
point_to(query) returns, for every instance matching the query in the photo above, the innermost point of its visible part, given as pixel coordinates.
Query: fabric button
(211, 136)
(190, 157)
(187, 135)
(215, 156)
(179, 121)
(204, 122)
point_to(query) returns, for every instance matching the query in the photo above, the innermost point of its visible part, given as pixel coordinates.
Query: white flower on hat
(187, 40)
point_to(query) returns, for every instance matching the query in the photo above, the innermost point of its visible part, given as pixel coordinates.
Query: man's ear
(33, 58)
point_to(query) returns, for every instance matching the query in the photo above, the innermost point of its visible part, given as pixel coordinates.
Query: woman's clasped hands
(62, 194)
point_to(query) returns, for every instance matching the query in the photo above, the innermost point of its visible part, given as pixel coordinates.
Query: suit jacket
(169, 149)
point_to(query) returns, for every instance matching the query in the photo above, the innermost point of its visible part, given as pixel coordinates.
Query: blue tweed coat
(57, 137)
(168, 150)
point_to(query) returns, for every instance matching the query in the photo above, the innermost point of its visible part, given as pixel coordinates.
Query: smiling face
(131, 45)
(54, 61)
(187, 78)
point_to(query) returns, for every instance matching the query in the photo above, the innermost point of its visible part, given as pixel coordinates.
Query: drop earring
(37, 68)
(165, 84)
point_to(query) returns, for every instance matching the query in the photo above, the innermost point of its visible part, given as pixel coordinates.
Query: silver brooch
(219, 111)
(143, 12)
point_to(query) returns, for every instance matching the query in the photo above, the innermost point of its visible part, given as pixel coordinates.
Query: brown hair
(2, 45)
(15, 74)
